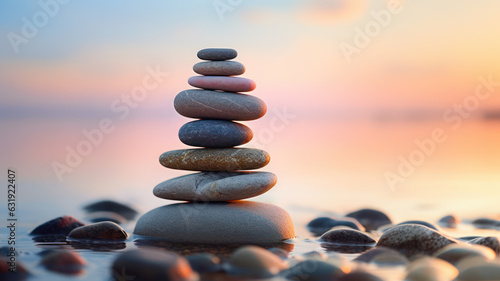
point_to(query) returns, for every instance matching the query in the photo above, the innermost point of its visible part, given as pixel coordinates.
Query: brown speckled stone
(99, 231)
(490, 242)
(413, 240)
(215, 159)
(347, 237)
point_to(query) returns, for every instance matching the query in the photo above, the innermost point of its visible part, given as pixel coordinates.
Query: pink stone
(229, 84)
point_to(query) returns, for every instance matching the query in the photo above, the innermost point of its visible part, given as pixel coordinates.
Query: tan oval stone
(215, 159)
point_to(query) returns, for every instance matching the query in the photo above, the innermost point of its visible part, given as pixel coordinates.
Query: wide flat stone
(219, 105)
(223, 83)
(215, 159)
(214, 133)
(219, 68)
(217, 54)
(240, 222)
(216, 186)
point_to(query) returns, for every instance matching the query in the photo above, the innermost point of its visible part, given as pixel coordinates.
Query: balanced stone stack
(213, 214)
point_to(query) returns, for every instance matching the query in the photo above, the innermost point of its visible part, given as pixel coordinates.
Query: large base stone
(239, 222)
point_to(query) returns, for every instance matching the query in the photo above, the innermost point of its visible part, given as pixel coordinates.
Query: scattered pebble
(112, 206)
(430, 269)
(99, 231)
(204, 262)
(279, 252)
(453, 253)
(65, 262)
(449, 221)
(151, 264)
(21, 273)
(490, 242)
(359, 276)
(486, 223)
(371, 219)
(255, 262)
(424, 223)
(57, 226)
(413, 240)
(486, 271)
(347, 236)
(383, 257)
(313, 270)
(106, 216)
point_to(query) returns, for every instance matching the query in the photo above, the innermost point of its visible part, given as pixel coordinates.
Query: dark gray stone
(215, 133)
(204, 262)
(360, 276)
(254, 262)
(486, 223)
(313, 270)
(237, 222)
(112, 206)
(217, 54)
(219, 68)
(413, 240)
(347, 236)
(449, 221)
(371, 219)
(489, 241)
(216, 186)
(206, 104)
(105, 230)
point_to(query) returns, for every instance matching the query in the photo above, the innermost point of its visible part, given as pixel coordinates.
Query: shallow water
(100, 257)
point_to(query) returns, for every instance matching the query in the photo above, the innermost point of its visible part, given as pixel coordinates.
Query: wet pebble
(453, 253)
(383, 257)
(321, 225)
(371, 219)
(57, 226)
(313, 270)
(99, 231)
(204, 262)
(486, 223)
(413, 240)
(112, 206)
(424, 223)
(449, 221)
(359, 276)
(279, 252)
(12, 270)
(150, 264)
(430, 269)
(106, 216)
(347, 236)
(65, 262)
(255, 262)
(490, 242)
(486, 271)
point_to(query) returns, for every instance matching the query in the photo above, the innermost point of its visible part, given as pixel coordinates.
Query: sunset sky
(351, 117)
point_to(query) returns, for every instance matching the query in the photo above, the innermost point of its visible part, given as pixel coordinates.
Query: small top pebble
(217, 54)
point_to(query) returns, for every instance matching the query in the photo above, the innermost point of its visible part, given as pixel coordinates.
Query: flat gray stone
(217, 54)
(240, 222)
(216, 186)
(219, 68)
(214, 133)
(215, 159)
(207, 104)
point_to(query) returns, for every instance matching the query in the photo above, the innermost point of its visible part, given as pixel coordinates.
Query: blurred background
(385, 104)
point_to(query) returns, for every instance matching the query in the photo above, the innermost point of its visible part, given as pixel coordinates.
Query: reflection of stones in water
(222, 251)
(97, 246)
(49, 238)
(345, 249)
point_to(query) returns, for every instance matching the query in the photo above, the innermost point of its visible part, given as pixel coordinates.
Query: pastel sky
(416, 64)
